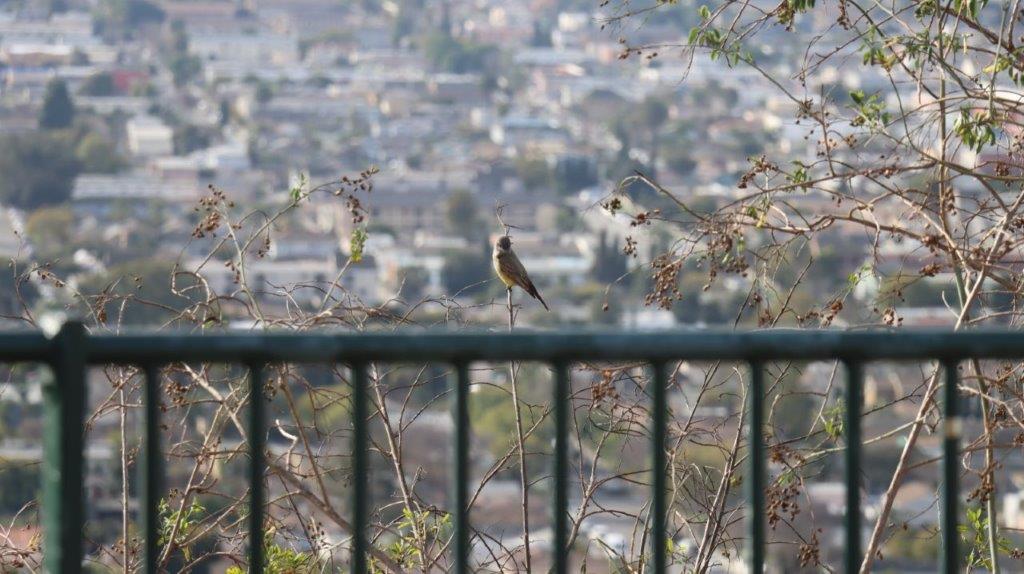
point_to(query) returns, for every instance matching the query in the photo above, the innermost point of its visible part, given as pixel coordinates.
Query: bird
(511, 271)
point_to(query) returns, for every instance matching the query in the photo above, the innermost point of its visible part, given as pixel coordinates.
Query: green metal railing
(71, 351)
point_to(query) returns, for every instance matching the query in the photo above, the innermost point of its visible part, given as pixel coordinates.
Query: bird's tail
(536, 295)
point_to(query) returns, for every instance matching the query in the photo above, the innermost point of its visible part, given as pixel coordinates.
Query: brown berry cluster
(810, 553)
(605, 388)
(760, 165)
(350, 187)
(666, 282)
(211, 216)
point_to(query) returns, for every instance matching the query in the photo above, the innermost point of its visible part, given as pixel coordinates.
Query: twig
(123, 423)
(520, 442)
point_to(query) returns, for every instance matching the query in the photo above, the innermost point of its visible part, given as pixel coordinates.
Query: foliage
(494, 421)
(281, 560)
(573, 173)
(534, 172)
(58, 110)
(435, 527)
(462, 216)
(541, 35)
(699, 306)
(264, 92)
(975, 534)
(609, 262)
(405, 21)
(679, 160)
(189, 138)
(357, 243)
(114, 17)
(652, 113)
(98, 84)
(466, 273)
(51, 230)
(19, 485)
(39, 169)
(97, 154)
(833, 420)
(415, 281)
(184, 67)
(870, 110)
(133, 292)
(181, 522)
(460, 57)
(917, 544)
(16, 292)
(976, 130)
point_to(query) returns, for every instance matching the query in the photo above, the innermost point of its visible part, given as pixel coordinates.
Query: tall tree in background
(38, 169)
(652, 114)
(573, 173)
(98, 155)
(609, 263)
(55, 6)
(58, 110)
(462, 216)
(99, 84)
(117, 18)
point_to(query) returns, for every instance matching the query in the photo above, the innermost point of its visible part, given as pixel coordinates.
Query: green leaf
(297, 189)
(834, 420)
(357, 244)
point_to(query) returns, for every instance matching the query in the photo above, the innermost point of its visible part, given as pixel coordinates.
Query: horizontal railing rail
(73, 350)
(774, 344)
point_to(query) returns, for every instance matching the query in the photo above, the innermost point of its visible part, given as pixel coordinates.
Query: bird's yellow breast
(497, 269)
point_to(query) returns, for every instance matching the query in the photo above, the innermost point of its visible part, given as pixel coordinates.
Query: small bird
(511, 271)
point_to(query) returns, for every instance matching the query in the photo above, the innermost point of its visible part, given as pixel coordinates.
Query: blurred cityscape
(122, 121)
(463, 106)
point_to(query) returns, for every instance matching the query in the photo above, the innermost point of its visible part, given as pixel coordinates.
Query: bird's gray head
(504, 243)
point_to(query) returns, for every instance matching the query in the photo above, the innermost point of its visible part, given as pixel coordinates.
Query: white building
(102, 195)
(73, 29)
(104, 105)
(515, 131)
(266, 48)
(149, 136)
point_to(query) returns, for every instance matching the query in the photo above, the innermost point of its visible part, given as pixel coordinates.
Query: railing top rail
(25, 346)
(763, 345)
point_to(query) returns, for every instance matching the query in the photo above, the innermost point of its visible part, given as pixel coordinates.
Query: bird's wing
(516, 272)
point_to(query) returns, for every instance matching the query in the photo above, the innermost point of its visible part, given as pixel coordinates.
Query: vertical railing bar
(360, 469)
(257, 466)
(756, 463)
(64, 443)
(950, 470)
(460, 458)
(658, 467)
(854, 401)
(151, 477)
(560, 502)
